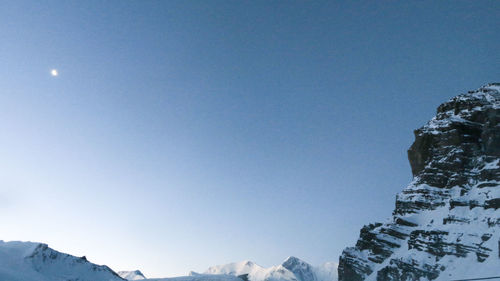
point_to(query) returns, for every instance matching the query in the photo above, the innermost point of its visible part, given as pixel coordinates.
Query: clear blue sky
(183, 134)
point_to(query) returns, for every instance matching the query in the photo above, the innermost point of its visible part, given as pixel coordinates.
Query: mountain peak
(21, 261)
(292, 269)
(132, 275)
(236, 268)
(445, 224)
(301, 269)
(292, 259)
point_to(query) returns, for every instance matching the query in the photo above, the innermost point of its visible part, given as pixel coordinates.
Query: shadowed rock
(449, 210)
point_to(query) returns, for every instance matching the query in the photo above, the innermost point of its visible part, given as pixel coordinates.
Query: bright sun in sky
(54, 72)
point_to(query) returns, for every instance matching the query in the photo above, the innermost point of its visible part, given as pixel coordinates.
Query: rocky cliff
(446, 223)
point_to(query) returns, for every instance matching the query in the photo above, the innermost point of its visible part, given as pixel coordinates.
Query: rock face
(446, 224)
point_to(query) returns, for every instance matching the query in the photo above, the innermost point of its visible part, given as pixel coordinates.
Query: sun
(54, 72)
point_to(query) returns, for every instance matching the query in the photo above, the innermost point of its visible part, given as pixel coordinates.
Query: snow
(489, 93)
(492, 165)
(290, 270)
(469, 227)
(200, 277)
(21, 261)
(470, 233)
(240, 268)
(455, 233)
(131, 275)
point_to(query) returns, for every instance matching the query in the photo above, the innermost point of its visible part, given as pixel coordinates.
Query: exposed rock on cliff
(446, 224)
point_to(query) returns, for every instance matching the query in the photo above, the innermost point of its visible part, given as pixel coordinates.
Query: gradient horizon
(184, 134)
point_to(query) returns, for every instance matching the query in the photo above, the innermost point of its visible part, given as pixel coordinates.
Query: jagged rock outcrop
(446, 223)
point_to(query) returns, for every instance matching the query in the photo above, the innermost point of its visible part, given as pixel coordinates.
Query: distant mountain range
(22, 261)
(446, 224)
(292, 269)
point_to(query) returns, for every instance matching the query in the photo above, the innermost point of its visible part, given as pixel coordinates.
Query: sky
(184, 134)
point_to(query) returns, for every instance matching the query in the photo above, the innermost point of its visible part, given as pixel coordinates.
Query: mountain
(446, 223)
(292, 269)
(21, 261)
(200, 277)
(132, 275)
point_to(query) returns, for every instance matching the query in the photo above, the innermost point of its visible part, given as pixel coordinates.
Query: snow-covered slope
(22, 261)
(237, 269)
(292, 269)
(446, 224)
(132, 275)
(200, 277)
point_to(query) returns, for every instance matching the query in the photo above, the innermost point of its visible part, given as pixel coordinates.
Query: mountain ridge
(291, 268)
(131, 275)
(445, 222)
(21, 261)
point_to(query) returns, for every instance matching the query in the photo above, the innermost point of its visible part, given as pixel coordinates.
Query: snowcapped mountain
(292, 269)
(446, 224)
(132, 275)
(200, 277)
(21, 261)
(237, 269)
